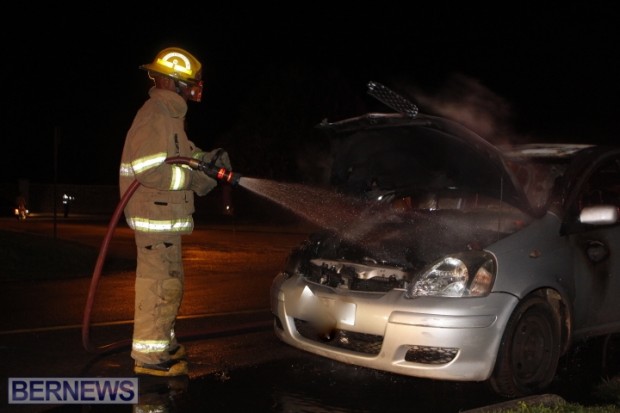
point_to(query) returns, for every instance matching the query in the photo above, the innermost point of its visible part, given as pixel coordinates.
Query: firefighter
(161, 209)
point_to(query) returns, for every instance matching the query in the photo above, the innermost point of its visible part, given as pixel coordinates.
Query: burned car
(468, 262)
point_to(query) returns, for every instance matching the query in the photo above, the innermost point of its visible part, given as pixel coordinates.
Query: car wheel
(529, 352)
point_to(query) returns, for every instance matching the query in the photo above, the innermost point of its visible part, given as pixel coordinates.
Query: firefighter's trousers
(159, 290)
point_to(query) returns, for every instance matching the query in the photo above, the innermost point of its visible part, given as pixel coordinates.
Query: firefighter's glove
(218, 158)
(202, 184)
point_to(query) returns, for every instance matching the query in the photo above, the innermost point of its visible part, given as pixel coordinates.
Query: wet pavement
(237, 364)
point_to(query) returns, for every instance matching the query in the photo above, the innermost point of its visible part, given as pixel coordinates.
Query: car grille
(358, 342)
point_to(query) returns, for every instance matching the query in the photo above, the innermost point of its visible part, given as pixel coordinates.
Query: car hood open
(378, 153)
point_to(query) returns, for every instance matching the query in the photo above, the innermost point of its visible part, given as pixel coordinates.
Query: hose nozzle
(220, 174)
(215, 172)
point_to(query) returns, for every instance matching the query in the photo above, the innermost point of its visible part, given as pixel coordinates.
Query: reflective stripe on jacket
(163, 201)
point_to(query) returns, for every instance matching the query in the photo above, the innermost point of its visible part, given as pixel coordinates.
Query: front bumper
(430, 337)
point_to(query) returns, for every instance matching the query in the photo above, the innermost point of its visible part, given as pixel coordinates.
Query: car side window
(603, 186)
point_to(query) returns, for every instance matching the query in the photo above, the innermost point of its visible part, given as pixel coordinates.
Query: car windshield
(417, 171)
(425, 168)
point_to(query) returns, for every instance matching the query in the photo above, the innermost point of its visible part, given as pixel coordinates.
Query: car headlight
(467, 274)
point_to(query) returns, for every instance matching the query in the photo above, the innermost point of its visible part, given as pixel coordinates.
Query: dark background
(512, 72)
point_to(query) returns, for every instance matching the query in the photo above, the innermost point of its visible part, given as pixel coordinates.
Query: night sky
(519, 72)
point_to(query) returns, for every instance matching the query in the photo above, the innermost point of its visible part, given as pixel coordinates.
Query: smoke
(460, 98)
(314, 160)
(467, 101)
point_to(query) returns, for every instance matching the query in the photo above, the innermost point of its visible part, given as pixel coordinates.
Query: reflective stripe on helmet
(171, 61)
(176, 63)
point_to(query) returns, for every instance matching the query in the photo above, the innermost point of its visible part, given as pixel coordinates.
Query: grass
(605, 396)
(523, 407)
(608, 391)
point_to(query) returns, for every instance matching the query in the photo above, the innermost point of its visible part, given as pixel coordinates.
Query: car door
(596, 250)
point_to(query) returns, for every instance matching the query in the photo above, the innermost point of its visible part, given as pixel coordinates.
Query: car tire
(529, 353)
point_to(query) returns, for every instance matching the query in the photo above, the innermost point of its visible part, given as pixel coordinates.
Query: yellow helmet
(177, 64)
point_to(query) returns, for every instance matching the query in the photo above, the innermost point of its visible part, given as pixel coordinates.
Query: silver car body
(540, 250)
